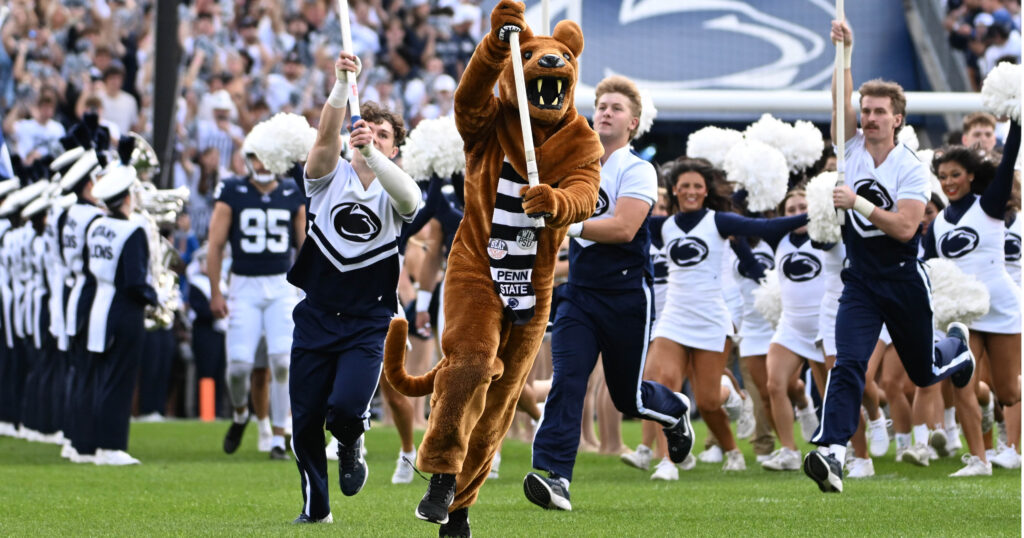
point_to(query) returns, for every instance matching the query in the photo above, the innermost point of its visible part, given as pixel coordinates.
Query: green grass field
(186, 487)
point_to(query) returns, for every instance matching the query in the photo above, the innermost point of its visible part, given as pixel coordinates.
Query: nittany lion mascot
(498, 284)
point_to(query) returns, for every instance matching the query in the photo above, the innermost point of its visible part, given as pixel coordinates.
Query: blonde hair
(626, 87)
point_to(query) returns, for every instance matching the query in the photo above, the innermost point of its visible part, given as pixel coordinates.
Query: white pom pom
(1000, 93)
(823, 224)
(805, 148)
(647, 114)
(759, 169)
(434, 147)
(712, 143)
(800, 144)
(768, 298)
(908, 136)
(280, 142)
(956, 296)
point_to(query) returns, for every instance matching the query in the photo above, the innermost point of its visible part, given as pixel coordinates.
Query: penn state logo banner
(512, 249)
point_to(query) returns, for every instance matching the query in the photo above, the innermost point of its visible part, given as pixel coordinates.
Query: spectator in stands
(32, 127)
(221, 133)
(119, 106)
(1002, 40)
(456, 48)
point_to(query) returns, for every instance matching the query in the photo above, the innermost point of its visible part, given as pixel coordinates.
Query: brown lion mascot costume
(491, 334)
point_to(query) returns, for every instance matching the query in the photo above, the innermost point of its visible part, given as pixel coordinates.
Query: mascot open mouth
(547, 92)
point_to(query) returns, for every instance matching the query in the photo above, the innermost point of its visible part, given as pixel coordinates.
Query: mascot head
(550, 69)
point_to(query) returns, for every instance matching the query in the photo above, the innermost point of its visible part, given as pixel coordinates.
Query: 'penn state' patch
(958, 242)
(602, 203)
(687, 251)
(497, 249)
(1012, 247)
(355, 222)
(800, 266)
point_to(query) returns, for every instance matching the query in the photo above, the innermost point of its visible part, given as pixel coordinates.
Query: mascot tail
(394, 363)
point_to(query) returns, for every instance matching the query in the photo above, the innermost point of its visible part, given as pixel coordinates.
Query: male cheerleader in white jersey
(884, 196)
(262, 216)
(349, 270)
(607, 307)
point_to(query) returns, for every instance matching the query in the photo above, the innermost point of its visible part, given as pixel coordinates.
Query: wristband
(575, 229)
(339, 95)
(863, 206)
(423, 298)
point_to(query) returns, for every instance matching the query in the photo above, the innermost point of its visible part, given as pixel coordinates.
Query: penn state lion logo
(687, 251)
(874, 192)
(959, 242)
(355, 222)
(800, 266)
(1012, 247)
(602, 203)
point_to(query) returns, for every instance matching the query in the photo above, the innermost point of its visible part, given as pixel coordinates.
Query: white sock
(880, 421)
(565, 483)
(264, 424)
(839, 452)
(902, 441)
(241, 418)
(949, 417)
(278, 441)
(410, 455)
(642, 448)
(921, 434)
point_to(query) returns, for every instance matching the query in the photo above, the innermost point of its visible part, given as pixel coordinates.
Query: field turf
(187, 486)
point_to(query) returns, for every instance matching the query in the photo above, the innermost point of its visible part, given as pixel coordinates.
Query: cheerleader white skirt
(1003, 315)
(798, 333)
(699, 324)
(827, 321)
(755, 335)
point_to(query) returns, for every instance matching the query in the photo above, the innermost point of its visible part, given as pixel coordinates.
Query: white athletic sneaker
(860, 468)
(332, 449)
(639, 458)
(266, 438)
(733, 405)
(808, 422)
(953, 444)
(974, 467)
(734, 461)
(938, 441)
(761, 458)
(82, 458)
(689, 463)
(114, 457)
(403, 469)
(918, 455)
(878, 437)
(151, 417)
(783, 459)
(1006, 457)
(988, 416)
(900, 451)
(665, 470)
(495, 467)
(67, 451)
(747, 423)
(711, 455)
(8, 430)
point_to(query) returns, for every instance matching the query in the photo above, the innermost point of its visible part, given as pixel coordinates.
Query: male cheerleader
(886, 188)
(607, 307)
(349, 270)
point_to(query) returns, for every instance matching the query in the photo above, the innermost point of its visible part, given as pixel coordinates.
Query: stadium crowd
(246, 61)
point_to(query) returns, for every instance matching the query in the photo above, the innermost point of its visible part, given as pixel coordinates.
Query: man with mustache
(884, 196)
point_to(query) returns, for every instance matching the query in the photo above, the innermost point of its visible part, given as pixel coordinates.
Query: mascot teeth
(546, 92)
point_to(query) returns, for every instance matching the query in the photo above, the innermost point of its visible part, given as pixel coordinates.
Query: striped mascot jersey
(512, 248)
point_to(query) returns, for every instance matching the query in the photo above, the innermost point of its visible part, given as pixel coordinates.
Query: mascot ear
(570, 35)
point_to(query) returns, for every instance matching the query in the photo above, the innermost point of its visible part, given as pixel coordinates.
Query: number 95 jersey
(262, 225)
